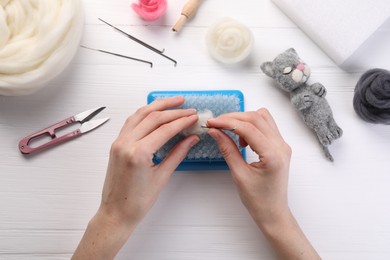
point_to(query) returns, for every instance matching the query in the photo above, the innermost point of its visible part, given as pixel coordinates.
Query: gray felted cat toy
(291, 74)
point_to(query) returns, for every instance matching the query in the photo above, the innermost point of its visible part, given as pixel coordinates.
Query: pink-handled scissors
(83, 118)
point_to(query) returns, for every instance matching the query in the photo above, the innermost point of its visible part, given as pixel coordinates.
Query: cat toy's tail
(327, 153)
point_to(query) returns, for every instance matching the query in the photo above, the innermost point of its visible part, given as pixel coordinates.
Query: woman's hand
(133, 182)
(262, 185)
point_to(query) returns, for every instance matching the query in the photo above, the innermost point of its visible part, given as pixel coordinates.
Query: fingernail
(192, 110)
(195, 116)
(210, 121)
(195, 140)
(177, 98)
(213, 133)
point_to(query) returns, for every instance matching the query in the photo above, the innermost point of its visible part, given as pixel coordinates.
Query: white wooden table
(47, 200)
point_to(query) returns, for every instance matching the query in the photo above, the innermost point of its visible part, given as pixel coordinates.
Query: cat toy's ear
(268, 69)
(292, 50)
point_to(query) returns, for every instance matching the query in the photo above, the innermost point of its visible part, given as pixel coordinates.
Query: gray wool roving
(372, 96)
(291, 74)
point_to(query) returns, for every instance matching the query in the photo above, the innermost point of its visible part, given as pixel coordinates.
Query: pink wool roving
(150, 10)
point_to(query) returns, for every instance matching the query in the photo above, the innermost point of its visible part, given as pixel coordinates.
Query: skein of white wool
(229, 41)
(38, 40)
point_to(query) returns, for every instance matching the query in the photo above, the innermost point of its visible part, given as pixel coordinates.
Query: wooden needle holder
(187, 13)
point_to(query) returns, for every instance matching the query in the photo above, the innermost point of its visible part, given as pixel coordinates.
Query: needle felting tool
(118, 55)
(141, 42)
(84, 118)
(227, 129)
(188, 11)
(205, 155)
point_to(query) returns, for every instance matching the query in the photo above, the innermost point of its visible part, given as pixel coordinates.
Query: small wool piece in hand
(372, 96)
(197, 129)
(229, 41)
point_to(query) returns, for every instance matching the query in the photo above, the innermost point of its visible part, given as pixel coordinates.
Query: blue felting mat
(205, 155)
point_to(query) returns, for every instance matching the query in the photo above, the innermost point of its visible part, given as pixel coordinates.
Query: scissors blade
(90, 125)
(87, 115)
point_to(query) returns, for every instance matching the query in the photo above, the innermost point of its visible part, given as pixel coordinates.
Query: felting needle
(227, 129)
(141, 42)
(119, 55)
(133, 38)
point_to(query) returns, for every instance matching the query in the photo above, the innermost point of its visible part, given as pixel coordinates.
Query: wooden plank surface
(47, 200)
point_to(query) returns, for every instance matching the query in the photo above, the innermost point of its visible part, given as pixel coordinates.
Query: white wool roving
(229, 41)
(197, 128)
(38, 40)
